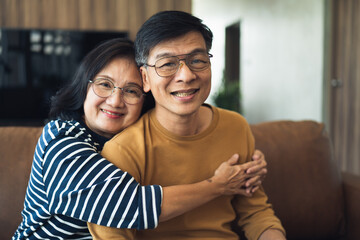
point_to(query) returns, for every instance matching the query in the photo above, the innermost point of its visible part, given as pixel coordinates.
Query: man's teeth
(183, 94)
(115, 114)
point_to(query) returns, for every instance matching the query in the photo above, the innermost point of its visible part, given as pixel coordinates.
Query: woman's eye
(105, 85)
(133, 91)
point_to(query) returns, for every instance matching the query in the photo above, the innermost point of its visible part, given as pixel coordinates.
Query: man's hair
(68, 102)
(164, 26)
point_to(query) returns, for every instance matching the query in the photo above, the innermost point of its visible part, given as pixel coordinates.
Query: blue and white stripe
(71, 184)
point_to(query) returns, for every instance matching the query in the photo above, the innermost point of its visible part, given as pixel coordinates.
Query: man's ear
(145, 79)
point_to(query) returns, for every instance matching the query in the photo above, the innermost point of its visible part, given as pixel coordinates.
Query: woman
(71, 183)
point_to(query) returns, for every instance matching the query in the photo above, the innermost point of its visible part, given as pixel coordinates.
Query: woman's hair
(68, 102)
(164, 26)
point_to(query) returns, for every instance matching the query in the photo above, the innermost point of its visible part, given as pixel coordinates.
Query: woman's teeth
(115, 114)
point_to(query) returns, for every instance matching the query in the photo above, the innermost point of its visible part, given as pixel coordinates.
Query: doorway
(344, 84)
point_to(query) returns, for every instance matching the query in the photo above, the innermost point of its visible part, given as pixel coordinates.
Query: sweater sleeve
(129, 161)
(81, 184)
(255, 213)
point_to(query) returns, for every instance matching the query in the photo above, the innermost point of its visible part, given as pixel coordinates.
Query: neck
(186, 125)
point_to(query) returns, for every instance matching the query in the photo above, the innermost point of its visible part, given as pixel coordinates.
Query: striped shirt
(71, 184)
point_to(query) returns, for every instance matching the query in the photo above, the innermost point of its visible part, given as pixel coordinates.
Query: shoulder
(229, 116)
(135, 132)
(57, 130)
(228, 121)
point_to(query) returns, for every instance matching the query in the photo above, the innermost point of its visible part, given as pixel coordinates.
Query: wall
(121, 15)
(281, 54)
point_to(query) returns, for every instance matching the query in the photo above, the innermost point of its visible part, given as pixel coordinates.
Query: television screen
(34, 64)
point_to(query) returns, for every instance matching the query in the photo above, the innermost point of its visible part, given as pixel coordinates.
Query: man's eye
(167, 64)
(198, 60)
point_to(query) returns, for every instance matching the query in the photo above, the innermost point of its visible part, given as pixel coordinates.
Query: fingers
(258, 165)
(257, 169)
(257, 155)
(248, 165)
(253, 181)
(243, 192)
(259, 158)
(233, 160)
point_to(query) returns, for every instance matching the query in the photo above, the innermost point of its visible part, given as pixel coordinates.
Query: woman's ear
(145, 79)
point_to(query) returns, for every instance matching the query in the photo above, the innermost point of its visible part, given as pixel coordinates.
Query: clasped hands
(243, 179)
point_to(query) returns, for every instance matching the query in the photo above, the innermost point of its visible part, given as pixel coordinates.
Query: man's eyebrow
(169, 54)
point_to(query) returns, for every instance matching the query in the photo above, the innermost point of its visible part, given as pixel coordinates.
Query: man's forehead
(184, 44)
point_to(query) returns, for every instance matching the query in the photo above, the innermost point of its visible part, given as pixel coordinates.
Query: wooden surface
(114, 15)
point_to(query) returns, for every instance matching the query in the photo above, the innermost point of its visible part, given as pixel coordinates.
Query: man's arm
(255, 214)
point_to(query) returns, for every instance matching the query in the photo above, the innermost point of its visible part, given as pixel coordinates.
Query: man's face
(183, 93)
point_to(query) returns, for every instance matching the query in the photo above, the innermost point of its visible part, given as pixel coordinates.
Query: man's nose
(184, 73)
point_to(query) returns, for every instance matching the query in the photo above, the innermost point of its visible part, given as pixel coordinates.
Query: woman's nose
(116, 99)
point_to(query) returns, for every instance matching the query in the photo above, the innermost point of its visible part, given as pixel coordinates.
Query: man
(182, 140)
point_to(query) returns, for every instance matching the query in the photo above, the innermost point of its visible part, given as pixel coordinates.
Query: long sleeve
(255, 213)
(71, 184)
(81, 184)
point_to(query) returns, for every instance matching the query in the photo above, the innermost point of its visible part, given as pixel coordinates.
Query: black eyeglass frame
(180, 59)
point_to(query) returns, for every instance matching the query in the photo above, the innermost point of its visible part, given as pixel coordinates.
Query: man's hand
(255, 173)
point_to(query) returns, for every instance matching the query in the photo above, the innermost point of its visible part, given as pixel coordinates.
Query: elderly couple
(111, 165)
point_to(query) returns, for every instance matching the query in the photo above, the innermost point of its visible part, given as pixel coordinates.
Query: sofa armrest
(351, 185)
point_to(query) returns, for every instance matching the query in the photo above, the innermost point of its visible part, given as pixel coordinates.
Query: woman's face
(109, 116)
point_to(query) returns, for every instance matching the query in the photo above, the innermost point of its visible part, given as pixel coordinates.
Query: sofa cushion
(17, 146)
(303, 181)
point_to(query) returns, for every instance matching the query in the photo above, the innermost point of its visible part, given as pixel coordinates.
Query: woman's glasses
(104, 88)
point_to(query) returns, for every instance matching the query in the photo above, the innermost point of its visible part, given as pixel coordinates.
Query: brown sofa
(309, 194)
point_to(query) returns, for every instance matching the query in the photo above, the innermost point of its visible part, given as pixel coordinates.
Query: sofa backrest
(303, 181)
(17, 146)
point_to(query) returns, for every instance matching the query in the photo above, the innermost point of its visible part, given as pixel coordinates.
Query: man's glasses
(104, 88)
(168, 66)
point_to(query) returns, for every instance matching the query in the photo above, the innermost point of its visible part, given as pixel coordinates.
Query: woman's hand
(242, 179)
(231, 178)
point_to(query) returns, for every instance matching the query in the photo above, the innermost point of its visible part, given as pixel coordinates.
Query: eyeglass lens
(168, 66)
(105, 88)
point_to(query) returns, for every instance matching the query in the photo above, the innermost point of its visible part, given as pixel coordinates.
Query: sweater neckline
(173, 136)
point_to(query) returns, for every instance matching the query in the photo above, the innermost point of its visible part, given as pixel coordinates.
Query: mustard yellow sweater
(154, 155)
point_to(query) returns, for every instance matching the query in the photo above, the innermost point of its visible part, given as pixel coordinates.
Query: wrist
(216, 187)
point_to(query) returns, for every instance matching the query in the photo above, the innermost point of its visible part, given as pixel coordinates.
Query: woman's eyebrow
(105, 77)
(133, 84)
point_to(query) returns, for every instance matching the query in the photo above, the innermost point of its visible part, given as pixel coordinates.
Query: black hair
(167, 25)
(68, 102)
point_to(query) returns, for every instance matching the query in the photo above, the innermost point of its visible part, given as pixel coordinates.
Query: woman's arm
(229, 179)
